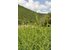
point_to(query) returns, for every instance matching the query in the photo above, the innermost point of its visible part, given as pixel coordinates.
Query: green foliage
(34, 38)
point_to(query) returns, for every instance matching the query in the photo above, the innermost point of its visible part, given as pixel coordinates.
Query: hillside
(28, 16)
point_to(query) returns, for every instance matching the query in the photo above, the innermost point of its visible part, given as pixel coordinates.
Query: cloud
(36, 6)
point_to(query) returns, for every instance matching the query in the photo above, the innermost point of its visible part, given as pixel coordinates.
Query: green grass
(34, 37)
(34, 31)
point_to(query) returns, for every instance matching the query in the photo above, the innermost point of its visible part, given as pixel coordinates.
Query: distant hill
(27, 16)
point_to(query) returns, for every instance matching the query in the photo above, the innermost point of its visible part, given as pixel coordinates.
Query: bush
(19, 21)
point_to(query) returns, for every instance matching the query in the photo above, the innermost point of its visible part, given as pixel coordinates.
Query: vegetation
(34, 38)
(34, 30)
(26, 16)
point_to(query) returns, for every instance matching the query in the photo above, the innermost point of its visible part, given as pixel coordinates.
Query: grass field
(34, 30)
(34, 37)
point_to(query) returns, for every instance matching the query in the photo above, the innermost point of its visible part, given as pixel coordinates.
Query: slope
(27, 16)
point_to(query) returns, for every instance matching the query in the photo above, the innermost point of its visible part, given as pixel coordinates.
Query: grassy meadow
(34, 30)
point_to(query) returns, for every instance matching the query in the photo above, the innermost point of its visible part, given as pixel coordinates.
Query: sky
(39, 6)
(42, 1)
